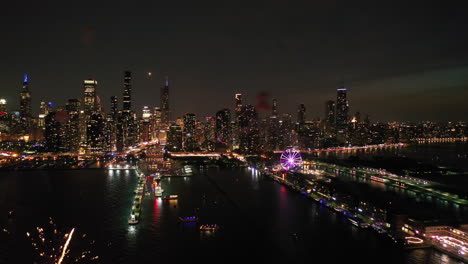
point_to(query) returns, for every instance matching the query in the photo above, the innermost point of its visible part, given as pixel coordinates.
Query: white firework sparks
(54, 247)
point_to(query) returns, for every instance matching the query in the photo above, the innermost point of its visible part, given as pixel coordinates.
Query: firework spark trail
(66, 246)
(53, 246)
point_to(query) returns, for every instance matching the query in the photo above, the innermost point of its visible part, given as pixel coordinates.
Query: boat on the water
(188, 219)
(133, 219)
(171, 197)
(209, 227)
(358, 222)
(158, 191)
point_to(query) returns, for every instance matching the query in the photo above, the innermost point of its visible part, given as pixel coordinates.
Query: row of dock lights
(118, 166)
(136, 206)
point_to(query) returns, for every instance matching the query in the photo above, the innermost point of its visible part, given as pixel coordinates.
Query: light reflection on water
(260, 219)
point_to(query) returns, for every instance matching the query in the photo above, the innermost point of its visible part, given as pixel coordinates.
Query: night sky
(399, 62)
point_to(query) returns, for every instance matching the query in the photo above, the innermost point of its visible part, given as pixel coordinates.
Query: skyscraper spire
(26, 79)
(25, 105)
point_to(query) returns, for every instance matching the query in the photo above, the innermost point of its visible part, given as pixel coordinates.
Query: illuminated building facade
(95, 133)
(4, 120)
(273, 129)
(43, 112)
(52, 133)
(248, 130)
(72, 135)
(342, 108)
(110, 135)
(209, 133)
(165, 111)
(90, 103)
(286, 126)
(3, 106)
(127, 94)
(341, 118)
(190, 144)
(223, 120)
(238, 105)
(274, 110)
(25, 106)
(174, 138)
(145, 125)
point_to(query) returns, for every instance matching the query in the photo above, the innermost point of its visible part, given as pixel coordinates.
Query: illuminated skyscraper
(190, 143)
(3, 106)
(145, 124)
(274, 111)
(129, 124)
(4, 119)
(273, 129)
(110, 135)
(301, 113)
(120, 131)
(131, 128)
(52, 133)
(189, 125)
(174, 138)
(223, 120)
(286, 128)
(209, 133)
(238, 105)
(95, 132)
(72, 129)
(248, 130)
(90, 103)
(25, 105)
(342, 107)
(146, 113)
(127, 95)
(165, 112)
(157, 115)
(114, 107)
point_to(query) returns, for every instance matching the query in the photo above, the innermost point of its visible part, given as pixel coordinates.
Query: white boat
(133, 219)
(158, 191)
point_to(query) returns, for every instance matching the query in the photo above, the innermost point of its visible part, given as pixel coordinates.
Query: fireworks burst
(52, 246)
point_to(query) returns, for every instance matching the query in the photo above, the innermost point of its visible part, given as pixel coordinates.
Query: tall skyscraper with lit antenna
(25, 105)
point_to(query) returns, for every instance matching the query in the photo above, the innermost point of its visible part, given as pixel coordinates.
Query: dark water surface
(257, 218)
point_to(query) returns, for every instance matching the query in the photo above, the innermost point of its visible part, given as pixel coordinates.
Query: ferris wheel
(290, 159)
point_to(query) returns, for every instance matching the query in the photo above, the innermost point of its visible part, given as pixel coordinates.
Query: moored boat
(209, 227)
(171, 197)
(188, 219)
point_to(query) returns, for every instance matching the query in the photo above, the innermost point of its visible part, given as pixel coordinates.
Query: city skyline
(163, 81)
(176, 131)
(396, 63)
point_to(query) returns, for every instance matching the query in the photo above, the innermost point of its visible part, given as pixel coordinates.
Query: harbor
(408, 237)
